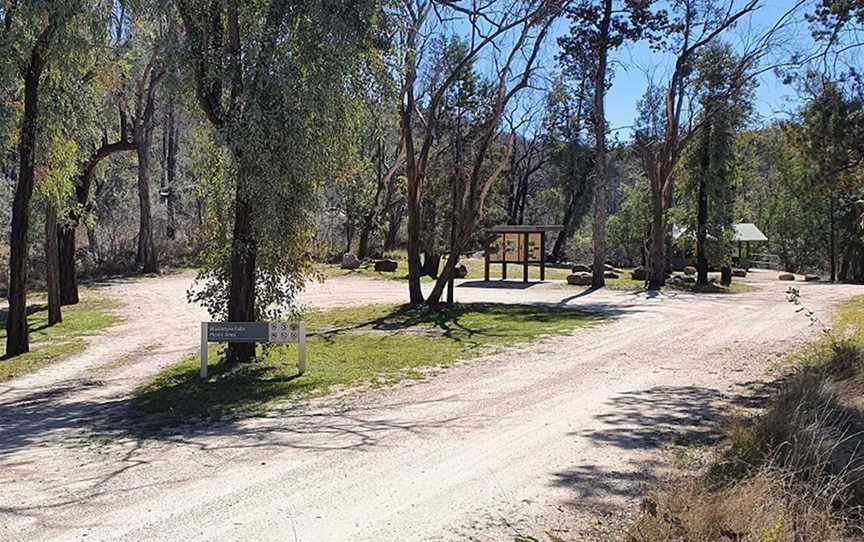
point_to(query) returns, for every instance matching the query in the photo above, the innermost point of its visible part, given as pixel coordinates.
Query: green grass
(350, 348)
(849, 322)
(55, 343)
(716, 288)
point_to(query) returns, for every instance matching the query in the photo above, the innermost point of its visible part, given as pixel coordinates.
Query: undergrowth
(791, 473)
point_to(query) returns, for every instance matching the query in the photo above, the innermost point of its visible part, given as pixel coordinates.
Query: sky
(635, 64)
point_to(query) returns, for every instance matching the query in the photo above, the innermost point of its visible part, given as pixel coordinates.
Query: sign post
(254, 332)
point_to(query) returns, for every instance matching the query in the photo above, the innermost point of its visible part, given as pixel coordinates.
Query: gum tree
(598, 28)
(275, 81)
(514, 33)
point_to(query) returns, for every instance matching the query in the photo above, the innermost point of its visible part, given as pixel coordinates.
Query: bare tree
(668, 123)
(527, 23)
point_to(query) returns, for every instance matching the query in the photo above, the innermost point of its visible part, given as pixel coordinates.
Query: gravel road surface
(555, 435)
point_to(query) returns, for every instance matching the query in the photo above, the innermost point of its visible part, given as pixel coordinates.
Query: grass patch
(793, 472)
(714, 287)
(351, 347)
(55, 343)
(476, 269)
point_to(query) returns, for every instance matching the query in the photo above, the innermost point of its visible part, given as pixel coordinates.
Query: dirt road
(528, 439)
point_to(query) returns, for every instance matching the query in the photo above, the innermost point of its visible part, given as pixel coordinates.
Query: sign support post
(301, 350)
(203, 349)
(254, 332)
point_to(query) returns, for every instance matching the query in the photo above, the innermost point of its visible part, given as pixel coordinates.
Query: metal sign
(237, 332)
(254, 332)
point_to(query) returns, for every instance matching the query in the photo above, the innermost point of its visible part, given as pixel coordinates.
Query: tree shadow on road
(637, 424)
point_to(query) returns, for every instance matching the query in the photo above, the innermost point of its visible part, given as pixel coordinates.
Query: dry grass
(793, 473)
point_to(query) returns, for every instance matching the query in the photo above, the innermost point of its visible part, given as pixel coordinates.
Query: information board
(238, 332)
(514, 242)
(254, 332)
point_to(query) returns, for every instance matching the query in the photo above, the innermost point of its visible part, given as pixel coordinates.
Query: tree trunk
(431, 264)
(702, 234)
(561, 241)
(171, 171)
(52, 265)
(444, 278)
(68, 245)
(146, 256)
(241, 289)
(349, 234)
(369, 218)
(68, 277)
(93, 244)
(657, 248)
(415, 269)
(393, 226)
(600, 163)
(17, 340)
(702, 212)
(832, 243)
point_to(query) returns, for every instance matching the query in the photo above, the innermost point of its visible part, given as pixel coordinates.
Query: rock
(812, 278)
(460, 271)
(688, 279)
(387, 266)
(738, 272)
(689, 270)
(582, 278)
(87, 262)
(581, 268)
(350, 261)
(786, 276)
(611, 275)
(639, 273)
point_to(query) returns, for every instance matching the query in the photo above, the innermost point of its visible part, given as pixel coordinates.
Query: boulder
(582, 278)
(460, 271)
(812, 278)
(581, 268)
(611, 275)
(639, 273)
(350, 261)
(688, 279)
(689, 270)
(738, 272)
(87, 262)
(786, 276)
(386, 266)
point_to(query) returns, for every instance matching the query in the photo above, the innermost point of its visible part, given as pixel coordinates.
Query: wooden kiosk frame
(518, 244)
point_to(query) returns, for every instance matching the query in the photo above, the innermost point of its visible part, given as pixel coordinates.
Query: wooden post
(542, 255)
(203, 371)
(525, 257)
(486, 264)
(504, 257)
(301, 349)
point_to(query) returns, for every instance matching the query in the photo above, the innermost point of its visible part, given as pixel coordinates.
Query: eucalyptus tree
(598, 28)
(35, 35)
(830, 141)
(511, 37)
(567, 111)
(668, 117)
(277, 81)
(710, 161)
(111, 132)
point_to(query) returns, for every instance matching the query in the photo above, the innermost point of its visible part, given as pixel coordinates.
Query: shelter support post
(542, 256)
(486, 264)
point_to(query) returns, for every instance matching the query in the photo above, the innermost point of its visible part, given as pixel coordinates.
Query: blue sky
(635, 64)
